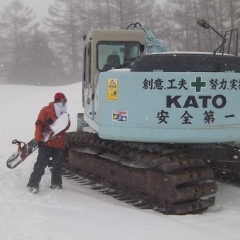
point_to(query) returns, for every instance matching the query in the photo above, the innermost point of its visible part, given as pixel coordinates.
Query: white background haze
(40, 7)
(78, 212)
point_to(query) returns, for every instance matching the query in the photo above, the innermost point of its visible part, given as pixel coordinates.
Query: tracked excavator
(157, 125)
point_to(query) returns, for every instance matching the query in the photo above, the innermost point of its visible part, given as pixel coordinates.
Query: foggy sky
(40, 7)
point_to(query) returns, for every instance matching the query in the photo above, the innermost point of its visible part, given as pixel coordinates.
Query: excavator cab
(105, 50)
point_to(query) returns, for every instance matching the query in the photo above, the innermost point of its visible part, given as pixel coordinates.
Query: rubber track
(169, 180)
(223, 159)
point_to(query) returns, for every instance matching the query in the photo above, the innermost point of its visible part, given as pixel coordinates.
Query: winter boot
(32, 188)
(58, 186)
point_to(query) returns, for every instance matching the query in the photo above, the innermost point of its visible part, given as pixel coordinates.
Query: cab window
(113, 54)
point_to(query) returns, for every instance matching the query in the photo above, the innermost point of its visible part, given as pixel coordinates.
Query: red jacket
(46, 113)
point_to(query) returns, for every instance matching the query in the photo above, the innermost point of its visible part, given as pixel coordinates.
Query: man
(53, 149)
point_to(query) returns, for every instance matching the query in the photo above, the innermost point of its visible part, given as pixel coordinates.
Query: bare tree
(42, 67)
(64, 31)
(15, 29)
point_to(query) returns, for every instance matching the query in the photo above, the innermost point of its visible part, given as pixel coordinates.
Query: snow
(77, 212)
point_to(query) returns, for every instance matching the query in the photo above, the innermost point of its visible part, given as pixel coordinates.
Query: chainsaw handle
(21, 145)
(15, 141)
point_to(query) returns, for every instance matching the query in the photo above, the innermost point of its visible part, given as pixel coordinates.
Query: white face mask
(60, 108)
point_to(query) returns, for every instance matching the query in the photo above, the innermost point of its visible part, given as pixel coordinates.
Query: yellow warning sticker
(112, 89)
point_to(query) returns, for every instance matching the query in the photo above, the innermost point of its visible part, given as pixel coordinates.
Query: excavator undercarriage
(170, 180)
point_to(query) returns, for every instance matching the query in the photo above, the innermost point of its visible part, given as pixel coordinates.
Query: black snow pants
(45, 154)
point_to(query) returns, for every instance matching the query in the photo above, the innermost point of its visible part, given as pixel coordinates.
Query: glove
(49, 121)
(41, 144)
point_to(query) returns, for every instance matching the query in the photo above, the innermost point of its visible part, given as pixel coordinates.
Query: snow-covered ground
(80, 213)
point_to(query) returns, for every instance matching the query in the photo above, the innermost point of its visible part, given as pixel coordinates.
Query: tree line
(50, 52)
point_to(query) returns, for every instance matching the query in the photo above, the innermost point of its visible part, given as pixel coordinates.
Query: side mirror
(203, 24)
(206, 25)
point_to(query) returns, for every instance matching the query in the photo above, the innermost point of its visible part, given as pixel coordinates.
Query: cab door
(87, 83)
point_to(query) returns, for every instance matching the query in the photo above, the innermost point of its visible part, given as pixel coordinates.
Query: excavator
(157, 125)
